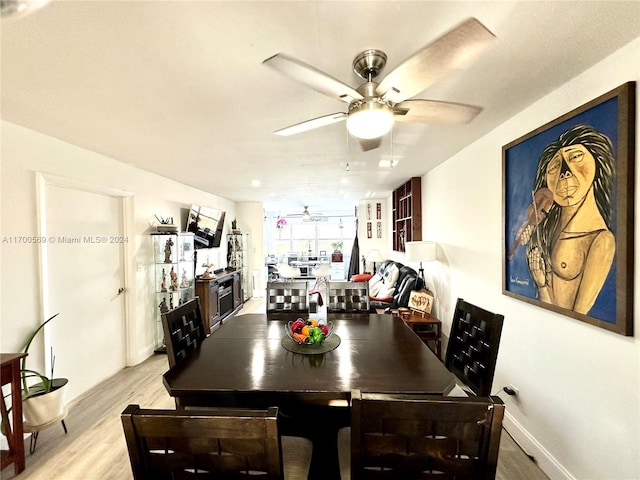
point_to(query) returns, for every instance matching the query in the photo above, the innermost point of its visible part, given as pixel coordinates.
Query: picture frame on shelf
(421, 301)
(568, 213)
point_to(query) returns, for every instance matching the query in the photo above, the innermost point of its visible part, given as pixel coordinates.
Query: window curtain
(354, 263)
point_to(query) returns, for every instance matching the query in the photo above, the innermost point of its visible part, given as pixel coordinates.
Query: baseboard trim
(547, 462)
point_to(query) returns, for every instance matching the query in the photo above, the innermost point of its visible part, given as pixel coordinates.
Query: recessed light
(255, 183)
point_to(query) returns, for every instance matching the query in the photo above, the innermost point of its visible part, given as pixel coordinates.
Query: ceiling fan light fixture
(306, 216)
(20, 8)
(370, 120)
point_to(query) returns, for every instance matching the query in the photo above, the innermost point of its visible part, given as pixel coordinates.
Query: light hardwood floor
(94, 448)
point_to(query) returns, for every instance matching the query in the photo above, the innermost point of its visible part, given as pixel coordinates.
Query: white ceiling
(178, 87)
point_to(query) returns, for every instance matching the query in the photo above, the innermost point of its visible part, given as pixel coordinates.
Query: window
(308, 238)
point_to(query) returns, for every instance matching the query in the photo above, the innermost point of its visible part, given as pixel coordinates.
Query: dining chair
(472, 350)
(322, 273)
(395, 436)
(212, 444)
(183, 330)
(347, 297)
(288, 273)
(287, 298)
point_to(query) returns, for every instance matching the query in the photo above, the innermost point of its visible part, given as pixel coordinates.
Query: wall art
(568, 213)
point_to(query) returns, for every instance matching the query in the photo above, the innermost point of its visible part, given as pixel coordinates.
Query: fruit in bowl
(308, 332)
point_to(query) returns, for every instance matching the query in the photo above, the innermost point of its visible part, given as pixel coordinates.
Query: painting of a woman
(568, 213)
(571, 250)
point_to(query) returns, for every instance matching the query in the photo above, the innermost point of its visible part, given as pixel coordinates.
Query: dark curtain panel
(354, 264)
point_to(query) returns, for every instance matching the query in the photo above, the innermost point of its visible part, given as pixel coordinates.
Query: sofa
(391, 285)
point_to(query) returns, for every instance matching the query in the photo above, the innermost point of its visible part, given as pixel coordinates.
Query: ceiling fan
(373, 107)
(20, 8)
(305, 215)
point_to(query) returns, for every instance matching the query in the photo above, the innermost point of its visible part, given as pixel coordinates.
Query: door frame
(43, 180)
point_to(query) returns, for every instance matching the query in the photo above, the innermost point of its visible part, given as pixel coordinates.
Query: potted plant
(336, 256)
(42, 402)
(234, 226)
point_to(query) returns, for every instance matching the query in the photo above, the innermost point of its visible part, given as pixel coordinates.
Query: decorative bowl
(308, 332)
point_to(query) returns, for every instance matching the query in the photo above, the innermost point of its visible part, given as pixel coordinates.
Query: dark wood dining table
(243, 364)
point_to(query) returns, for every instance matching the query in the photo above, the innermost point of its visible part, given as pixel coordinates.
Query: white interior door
(84, 270)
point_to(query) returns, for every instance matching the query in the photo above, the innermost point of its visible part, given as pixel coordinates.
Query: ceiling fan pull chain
(391, 162)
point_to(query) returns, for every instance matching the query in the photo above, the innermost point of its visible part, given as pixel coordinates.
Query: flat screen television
(206, 225)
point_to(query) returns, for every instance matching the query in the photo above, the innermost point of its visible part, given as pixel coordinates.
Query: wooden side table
(427, 327)
(14, 431)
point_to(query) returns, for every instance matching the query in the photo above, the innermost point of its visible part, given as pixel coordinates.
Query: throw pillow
(385, 292)
(361, 277)
(385, 299)
(391, 275)
(375, 283)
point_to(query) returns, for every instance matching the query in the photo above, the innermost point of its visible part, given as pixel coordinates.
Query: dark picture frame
(568, 213)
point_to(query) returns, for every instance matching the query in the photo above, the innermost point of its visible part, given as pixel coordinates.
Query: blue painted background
(520, 168)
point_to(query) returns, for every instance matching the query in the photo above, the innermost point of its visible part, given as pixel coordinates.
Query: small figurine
(163, 286)
(174, 280)
(163, 306)
(167, 250)
(185, 281)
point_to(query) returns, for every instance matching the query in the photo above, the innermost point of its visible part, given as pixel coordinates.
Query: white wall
(25, 152)
(578, 410)
(383, 244)
(251, 221)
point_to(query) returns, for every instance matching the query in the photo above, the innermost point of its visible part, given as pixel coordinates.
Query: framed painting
(568, 213)
(421, 300)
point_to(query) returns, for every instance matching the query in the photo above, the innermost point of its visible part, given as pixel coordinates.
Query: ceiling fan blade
(312, 77)
(370, 143)
(437, 113)
(453, 50)
(311, 124)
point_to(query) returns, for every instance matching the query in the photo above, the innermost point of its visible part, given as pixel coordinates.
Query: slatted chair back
(215, 443)
(347, 297)
(183, 330)
(287, 299)
(472, 350)
(409, 436)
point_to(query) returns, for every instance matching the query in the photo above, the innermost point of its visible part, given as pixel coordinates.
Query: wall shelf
(406, 213)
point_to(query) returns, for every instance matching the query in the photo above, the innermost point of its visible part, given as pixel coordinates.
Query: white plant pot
(44, 409)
